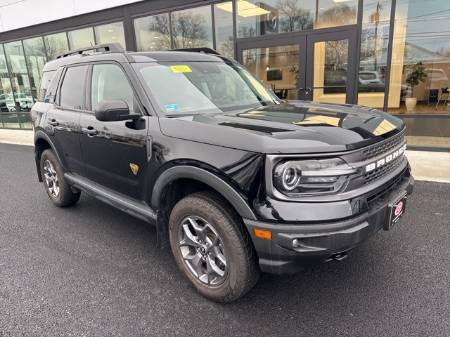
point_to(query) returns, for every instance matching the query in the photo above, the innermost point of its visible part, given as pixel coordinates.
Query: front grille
(384, 146)
(382, 171)
(392, 185)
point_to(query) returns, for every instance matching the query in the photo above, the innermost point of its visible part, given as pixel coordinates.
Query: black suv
(234, 179)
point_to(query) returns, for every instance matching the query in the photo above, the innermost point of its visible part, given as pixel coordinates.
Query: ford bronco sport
(234, 179)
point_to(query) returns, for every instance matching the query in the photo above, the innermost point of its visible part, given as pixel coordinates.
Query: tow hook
(337, 257)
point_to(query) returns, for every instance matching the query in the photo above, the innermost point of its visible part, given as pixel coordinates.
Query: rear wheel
(56, 186)
(212, 248)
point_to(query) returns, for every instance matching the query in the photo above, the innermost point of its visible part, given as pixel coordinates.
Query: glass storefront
(56, 44)
(420, 71)
(111, 32)
(21, 64)
(81, 38)
(223, 28)
(277, 67)
(255, 17)
(35, 58)
(192, 28)
(301, 49)
(374, 53)
(153, 32)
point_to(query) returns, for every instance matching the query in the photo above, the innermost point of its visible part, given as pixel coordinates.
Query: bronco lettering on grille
(387, 159)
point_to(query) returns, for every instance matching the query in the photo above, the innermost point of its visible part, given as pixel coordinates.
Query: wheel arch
(43, 142)
(204, 177)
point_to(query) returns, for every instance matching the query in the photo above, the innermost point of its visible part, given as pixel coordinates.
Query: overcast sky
(22, 13)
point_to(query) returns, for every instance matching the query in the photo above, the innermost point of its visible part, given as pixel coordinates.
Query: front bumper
(317, 242)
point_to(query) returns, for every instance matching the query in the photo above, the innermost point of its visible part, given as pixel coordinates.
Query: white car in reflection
(7, 103)
(25, 101)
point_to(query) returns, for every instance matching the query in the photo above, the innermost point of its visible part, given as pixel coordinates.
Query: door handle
(90, 131)
(53, 122)
(307, 90)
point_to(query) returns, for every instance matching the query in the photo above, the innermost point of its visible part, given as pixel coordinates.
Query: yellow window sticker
(180, 68)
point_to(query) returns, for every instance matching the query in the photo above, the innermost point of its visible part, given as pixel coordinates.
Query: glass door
(331, 68)
(317, 66)
(278, 63)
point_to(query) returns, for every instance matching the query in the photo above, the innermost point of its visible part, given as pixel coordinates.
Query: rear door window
(73, 88)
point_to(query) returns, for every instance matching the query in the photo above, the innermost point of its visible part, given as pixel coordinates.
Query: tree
(160, 24)
(293, 16)
(189, 30)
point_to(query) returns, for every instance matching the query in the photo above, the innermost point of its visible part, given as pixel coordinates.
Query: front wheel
(212, 248)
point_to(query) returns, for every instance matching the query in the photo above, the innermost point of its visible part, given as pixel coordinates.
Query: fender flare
(39, 134)
(206, 177)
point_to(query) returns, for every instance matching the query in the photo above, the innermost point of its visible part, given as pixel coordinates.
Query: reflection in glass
(110, 33)
(19, 76)
(7, 103)
(56, 44)
(373, 59)
(224, 30)
(420, 70)
(274, 16)
(276, 67)
(256, 17)
(20, 84)
(152, 32)
(192, 28)
(35, 58)
(336, 13)
(330, 71)
(81, 38)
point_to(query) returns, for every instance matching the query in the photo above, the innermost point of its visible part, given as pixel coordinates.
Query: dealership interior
(389, 55)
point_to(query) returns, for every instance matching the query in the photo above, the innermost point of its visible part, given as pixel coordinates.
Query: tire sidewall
(229, 235)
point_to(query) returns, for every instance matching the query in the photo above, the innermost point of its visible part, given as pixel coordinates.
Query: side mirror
(114, 111)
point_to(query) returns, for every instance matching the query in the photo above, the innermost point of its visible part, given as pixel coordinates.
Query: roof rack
(204, 50)
(107, 47)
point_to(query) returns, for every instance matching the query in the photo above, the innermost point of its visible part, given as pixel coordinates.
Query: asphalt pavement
(92, 270)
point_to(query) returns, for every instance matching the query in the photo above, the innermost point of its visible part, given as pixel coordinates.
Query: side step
(117, 200)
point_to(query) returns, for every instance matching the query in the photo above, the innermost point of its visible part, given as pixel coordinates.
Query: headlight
(311, 176)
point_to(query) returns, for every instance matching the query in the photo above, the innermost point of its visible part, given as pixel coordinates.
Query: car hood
(293, 127)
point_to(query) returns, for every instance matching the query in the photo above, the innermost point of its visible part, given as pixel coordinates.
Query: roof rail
(204, 50)
(107, 47)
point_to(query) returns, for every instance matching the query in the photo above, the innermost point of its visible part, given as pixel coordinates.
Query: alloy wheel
(202, 250)
(51, 179)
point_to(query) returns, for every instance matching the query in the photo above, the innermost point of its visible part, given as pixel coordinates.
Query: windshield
(202, 87)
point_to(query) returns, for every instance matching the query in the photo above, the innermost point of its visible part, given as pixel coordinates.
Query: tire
(56, 186)
(205, 215)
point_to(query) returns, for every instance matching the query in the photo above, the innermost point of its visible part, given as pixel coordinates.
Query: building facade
(390, 55)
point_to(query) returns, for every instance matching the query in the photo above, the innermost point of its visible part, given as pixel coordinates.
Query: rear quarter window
(47, 78)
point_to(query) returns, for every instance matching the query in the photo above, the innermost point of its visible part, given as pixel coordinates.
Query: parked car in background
(7, 102)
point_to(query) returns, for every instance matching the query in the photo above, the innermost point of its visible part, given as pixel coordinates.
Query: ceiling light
(245, 8)
(339, 1)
